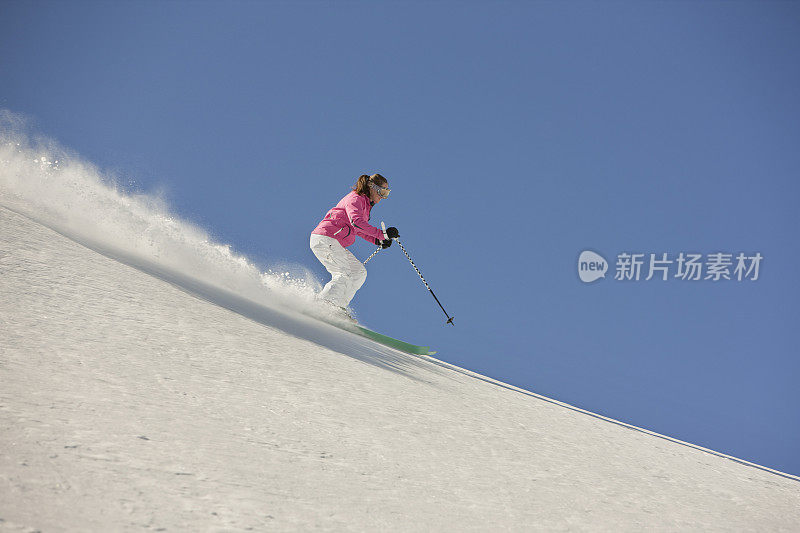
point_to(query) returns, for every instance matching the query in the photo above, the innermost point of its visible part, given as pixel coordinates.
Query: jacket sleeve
(356, 212)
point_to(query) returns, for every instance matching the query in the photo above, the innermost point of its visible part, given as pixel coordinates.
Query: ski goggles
(382, 191)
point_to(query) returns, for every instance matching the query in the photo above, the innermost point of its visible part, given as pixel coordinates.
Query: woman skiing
(338, 230)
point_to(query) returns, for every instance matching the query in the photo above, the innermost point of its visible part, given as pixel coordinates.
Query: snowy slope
(151, 378)
(144, 398)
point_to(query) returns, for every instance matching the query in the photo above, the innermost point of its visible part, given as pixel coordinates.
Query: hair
(362, 184)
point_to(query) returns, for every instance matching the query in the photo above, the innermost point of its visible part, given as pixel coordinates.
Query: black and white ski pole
(385, 236)
(373, 254)
(380, 247)
(449, 318)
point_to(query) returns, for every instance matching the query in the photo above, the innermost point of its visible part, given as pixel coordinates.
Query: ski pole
(383, 227)
(373, 254)
(449, 318)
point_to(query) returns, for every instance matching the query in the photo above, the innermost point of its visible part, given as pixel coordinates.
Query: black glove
(392, 232)
(384, 244)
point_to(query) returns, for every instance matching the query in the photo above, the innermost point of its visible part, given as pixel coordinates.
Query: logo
(684, 266)
(591, 266)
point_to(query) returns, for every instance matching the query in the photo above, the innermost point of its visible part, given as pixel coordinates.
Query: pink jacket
(349, 218)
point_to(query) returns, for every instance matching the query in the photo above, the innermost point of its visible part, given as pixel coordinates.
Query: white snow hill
(134, 397)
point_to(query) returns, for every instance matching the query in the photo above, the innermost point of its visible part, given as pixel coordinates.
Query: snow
(152, 379)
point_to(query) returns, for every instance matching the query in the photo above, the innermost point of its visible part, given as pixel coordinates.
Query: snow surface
(151, 379)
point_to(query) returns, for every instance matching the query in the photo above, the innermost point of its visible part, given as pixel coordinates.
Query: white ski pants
(347, 273)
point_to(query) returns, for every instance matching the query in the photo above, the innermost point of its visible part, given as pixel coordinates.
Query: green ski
(354, 327)
(393, 343)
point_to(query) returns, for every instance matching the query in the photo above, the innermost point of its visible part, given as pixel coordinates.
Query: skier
(338, 230)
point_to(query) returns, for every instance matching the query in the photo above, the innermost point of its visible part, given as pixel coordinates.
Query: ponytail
(362, 184)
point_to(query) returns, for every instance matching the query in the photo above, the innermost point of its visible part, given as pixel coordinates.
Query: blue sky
(514, 136)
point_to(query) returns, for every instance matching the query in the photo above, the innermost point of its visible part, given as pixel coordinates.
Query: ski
(358, 329)
(392, 342)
